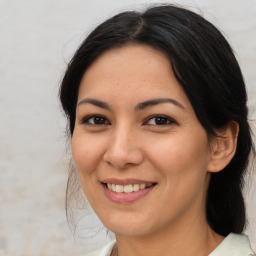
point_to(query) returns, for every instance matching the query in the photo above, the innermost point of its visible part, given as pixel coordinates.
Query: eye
(95, 120)
(160, 120)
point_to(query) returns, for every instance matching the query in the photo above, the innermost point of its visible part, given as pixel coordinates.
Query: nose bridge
(122, 134)
(124, 147)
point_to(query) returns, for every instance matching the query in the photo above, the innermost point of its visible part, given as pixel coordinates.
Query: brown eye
(95, 120)
(160, 120)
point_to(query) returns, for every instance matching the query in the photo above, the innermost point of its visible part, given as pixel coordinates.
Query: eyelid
(170, 120)
(85, 119)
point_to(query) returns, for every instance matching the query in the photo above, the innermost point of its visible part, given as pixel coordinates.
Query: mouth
(126, 192)
(129, 188)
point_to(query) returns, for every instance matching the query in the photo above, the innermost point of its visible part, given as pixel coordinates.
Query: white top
(232, 245)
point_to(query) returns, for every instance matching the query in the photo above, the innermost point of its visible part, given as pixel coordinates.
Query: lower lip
(126, 198)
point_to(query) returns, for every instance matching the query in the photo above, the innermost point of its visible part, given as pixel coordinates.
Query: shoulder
(235, 245)
(104, 251)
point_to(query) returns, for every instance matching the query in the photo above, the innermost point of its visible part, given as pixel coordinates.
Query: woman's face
(139, 149)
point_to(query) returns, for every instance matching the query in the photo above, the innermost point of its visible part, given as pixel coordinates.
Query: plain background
(37, 39)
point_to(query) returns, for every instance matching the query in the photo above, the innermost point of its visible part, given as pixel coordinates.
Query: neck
(194, 238)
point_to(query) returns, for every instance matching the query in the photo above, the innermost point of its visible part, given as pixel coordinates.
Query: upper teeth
(127, 188)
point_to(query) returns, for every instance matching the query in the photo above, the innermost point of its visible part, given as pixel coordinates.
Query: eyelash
(87, 119)
(164, 120)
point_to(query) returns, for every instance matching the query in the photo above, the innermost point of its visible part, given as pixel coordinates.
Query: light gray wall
(37, 38)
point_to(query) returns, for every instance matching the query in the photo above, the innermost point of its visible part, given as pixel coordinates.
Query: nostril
(123, 158)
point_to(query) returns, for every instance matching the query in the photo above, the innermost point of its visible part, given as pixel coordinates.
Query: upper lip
(126, 181)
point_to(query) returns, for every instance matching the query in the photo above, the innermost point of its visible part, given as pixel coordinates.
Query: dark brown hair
(205, 66)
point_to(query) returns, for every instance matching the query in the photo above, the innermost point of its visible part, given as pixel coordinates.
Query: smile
(126, 191)
(127, 188)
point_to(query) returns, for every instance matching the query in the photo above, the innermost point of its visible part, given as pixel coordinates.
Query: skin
(128, 143)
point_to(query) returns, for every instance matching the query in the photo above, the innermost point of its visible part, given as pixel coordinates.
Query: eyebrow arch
(97, 103)
(140, 106)
(154, 102)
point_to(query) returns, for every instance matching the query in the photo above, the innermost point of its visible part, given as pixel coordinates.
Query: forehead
(132, 59)
(129, 72)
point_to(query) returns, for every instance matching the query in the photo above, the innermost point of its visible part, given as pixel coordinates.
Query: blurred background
(37, 39)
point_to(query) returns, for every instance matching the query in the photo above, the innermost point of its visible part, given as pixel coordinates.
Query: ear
(223, 147)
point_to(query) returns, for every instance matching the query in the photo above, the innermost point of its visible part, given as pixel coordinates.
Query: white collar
(234, 245)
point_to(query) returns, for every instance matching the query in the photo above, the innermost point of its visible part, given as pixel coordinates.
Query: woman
(156, 108)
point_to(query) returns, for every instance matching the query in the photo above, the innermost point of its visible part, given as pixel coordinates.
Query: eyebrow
(154, 102)
(95, 102)
(140, 106)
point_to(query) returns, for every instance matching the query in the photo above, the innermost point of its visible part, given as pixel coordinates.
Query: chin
(128, 226)
(128, 230)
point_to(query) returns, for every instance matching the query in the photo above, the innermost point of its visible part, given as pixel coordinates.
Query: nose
(123, 149)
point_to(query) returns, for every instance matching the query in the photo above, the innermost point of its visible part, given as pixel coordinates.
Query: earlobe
(223, 147)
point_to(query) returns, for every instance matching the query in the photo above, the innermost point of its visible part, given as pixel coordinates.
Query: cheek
(87, 155)
(184, 169)
(182, 159)
(87, 152)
